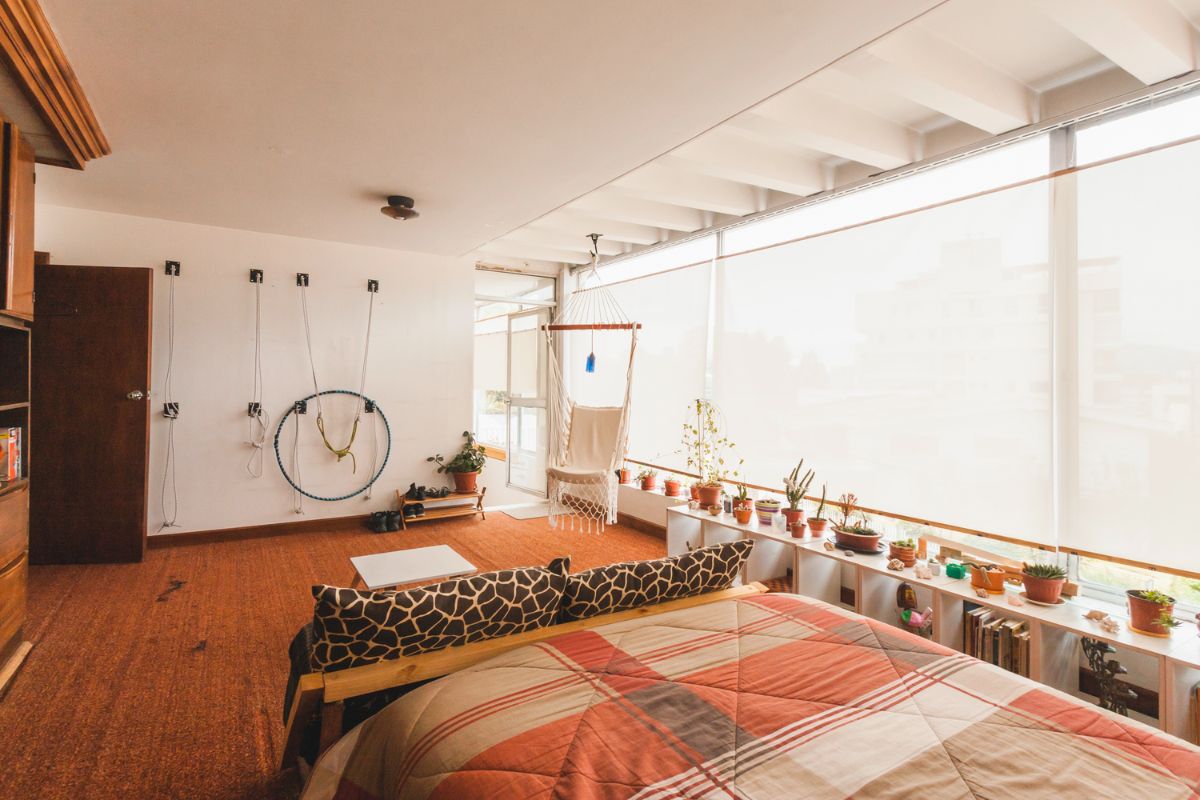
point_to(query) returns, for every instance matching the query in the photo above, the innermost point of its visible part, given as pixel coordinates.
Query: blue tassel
(591, 362)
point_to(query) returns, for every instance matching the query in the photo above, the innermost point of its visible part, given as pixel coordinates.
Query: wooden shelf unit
(440, 510)
(1054, 631)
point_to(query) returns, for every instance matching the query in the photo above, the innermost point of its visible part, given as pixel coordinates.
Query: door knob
(136, 394)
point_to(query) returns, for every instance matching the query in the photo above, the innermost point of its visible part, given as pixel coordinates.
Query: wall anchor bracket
(302, 279)
(256, 276)
(172, 269)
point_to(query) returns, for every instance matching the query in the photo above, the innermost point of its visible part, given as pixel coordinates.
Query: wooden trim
(36, 61)
(494, 453)
(957, 528)
(327, 690)
(256, 531)
(607, 326)
(639, 524)
(12, 666)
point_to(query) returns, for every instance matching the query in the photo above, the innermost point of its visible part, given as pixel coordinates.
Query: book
(10, 454)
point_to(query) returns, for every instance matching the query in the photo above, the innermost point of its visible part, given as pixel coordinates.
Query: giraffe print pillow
(633, 584)
(352, 628)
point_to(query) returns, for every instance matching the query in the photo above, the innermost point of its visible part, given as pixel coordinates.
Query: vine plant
(707, 446)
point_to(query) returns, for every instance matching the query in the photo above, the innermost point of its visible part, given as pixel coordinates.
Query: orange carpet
(165, 679)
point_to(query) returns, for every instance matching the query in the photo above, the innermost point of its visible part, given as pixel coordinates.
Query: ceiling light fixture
(399, 207)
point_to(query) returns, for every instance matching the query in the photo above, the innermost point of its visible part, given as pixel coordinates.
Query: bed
(764, 696)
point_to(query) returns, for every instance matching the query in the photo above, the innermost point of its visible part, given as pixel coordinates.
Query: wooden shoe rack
(442, 507)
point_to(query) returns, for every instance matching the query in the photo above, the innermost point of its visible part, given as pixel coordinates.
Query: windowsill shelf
(1055, 631)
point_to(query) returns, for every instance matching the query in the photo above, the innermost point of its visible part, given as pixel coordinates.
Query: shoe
(418, 510)
(393, 520)
(443, 492)
(421, 495)
(410, 511)
(411, 494)
(378, 523)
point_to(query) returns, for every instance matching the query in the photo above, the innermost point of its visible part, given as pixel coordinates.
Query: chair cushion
(633, 584)
(352, 627)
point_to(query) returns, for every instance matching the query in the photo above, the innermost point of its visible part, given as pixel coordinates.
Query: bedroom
(881, 367)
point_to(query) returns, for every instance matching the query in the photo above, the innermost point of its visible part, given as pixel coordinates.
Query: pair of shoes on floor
(414, 510)
(384, 521)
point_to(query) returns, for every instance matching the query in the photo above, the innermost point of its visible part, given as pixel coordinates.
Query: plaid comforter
(774, 696)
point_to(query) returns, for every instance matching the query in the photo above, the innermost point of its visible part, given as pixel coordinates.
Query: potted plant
(705, 444)
(743, 506)
(672, 485)
(1151, 611)
(817, 523)
(465, 466)
(903, 549)
(987, 576)
(767, 509)
(854, 529)
(694, 490)
(1043, 582)
(648, 478)
(796, 487)
(624, 474)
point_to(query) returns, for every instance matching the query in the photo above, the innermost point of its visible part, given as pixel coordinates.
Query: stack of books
(989, 636)
(10, 455)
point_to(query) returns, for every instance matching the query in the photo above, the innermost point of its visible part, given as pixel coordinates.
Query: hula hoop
(387, 430)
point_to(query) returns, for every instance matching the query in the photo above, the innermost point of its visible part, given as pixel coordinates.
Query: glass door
(527, 392)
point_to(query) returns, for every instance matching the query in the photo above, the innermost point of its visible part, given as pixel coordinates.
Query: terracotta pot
(465, 481)
(906, 554)
(695, 490)
(766, 511)
(817, 527)
(649, 484)
(1144, 615)
(709, 495)
(798, 530)
(742, 514)
(794, 517)
(672, 488)
(623, 475)
(993, 581)
(744, 502)
(857, 541)
(1043, 590)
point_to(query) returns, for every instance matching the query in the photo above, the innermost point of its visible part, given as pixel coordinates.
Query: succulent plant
(907, 544)
(1051, 572)
(1156, 597)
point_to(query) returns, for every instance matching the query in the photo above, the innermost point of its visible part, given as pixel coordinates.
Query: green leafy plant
(743, 493)
(796, 485)
(706, 445)
(1167, 621)
(472, 457)
(821, 508)
(1156, 597)
(906, 544)
(646, 472)
(1051, 572)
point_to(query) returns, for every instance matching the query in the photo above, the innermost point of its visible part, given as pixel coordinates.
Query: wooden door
(91, 421)
(16, 224)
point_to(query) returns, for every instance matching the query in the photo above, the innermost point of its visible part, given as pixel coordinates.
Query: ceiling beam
(936, 74)
(1149, 39)
(578, 223)
(611, 204)
(521, 250)
(726, 154)
(810, 119)
(564, 241)
(666, 184)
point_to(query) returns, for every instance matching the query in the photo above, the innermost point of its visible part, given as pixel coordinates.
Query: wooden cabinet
(16, 224)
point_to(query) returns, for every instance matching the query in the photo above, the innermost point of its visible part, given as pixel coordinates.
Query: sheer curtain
(907, 361)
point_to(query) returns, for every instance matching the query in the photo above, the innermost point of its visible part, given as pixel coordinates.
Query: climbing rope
(260, 421)
(296, 483)
(340, 452)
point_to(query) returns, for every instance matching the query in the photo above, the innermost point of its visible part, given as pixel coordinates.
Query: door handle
(136, 394)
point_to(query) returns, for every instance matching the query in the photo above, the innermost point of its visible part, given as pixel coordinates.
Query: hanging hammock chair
(587, 444)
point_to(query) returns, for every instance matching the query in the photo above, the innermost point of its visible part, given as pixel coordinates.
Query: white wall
(420, 368)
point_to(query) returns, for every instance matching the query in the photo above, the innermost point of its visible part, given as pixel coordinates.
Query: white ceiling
(958, 75)
(298, 116)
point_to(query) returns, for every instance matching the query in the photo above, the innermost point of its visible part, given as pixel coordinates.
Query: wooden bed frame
(324, 692)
